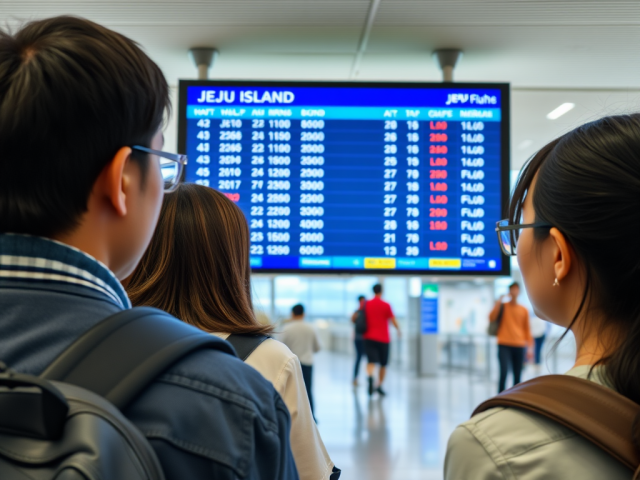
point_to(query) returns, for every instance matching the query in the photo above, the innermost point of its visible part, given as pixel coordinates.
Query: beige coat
(506, 443)
(277, 364)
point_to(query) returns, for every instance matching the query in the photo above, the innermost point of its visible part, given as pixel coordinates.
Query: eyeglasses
(508, 234)
(171, 166)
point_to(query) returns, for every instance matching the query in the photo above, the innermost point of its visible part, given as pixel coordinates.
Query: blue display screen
(355, 177)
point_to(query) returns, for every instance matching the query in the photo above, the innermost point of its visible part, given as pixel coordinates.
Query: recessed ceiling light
(524, 145)
(561, 110)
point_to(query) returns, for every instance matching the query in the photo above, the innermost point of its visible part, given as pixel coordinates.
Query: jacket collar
(36, 260)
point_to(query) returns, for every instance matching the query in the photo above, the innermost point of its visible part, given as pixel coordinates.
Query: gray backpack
(66, 424)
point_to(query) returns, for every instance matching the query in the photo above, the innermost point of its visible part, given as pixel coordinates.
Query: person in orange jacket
(514, 335)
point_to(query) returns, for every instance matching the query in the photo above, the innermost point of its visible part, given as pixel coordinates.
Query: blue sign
(429, 313)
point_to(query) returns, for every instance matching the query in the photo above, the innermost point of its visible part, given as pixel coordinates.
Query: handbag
(494, 326)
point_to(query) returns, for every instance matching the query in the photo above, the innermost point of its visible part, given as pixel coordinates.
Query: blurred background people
(514, 335)
(377, 339)
(197, 268)
(359, 319)
(303, 341)
(539, 331)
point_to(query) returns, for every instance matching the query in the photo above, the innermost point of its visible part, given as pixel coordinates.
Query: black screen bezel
(505, 152)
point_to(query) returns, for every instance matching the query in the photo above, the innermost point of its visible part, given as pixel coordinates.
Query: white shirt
(281, 367)
(302, 339)
(507, 443)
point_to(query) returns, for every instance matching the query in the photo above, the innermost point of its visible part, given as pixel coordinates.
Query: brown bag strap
(597, 413)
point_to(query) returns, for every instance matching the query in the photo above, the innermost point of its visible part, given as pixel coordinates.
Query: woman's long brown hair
(197, 264)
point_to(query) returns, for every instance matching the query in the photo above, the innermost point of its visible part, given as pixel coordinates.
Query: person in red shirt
(377, 338)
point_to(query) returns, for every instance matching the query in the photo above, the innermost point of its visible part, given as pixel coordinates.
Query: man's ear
(562, 253)
(114, 181)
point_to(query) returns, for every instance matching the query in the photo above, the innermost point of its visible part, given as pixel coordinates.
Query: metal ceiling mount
(447, 58)
(203, 57)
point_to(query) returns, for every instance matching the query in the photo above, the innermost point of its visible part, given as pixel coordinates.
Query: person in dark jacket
(82, 179)
(358, 340)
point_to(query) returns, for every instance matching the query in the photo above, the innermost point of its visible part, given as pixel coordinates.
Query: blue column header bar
(344, 96)
(346, 113)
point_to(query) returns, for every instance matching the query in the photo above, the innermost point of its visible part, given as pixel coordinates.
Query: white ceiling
(551, 51)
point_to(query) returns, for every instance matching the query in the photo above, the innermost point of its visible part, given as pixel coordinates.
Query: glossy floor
(401, 436)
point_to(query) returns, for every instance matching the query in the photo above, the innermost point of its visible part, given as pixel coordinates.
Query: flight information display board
(356, 177)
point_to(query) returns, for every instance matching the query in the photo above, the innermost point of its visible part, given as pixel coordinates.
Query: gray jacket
(509, 444)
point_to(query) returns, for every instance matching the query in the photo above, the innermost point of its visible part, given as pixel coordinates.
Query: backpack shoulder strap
(597, 413)
(123, 353)
(244, 345)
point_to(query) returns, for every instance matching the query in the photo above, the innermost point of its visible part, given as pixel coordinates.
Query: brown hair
(197, 264)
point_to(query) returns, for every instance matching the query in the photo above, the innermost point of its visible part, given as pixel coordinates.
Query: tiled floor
(402, 436)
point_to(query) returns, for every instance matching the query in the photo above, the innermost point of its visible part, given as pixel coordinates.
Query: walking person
(303, 341)
(514, 335)
(377, 338)
(359, 319)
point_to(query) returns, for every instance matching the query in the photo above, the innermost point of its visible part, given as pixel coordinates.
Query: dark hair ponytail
(588, 187)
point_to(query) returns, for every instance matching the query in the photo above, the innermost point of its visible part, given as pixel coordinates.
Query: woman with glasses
(197, 268)
(574, 224)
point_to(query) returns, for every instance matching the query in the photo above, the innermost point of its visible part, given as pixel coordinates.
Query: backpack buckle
(30, 406)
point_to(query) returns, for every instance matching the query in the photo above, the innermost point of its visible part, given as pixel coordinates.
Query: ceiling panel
(204, 12)
(531, 130)
(522, 56)
(530, 43)
(508, 12)
(244, 40)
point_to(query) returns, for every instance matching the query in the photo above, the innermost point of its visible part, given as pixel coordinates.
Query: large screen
(356, 177)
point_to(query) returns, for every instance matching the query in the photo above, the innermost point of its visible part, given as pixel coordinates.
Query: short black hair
(514, 284)
(361, 297)
(72, 93)
(377, 288)
(298, 310)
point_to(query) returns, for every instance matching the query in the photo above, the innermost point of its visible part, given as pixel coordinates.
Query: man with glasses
(171, 166)
(82, 177)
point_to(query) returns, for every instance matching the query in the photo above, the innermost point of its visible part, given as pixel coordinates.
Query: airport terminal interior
(376, 142)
